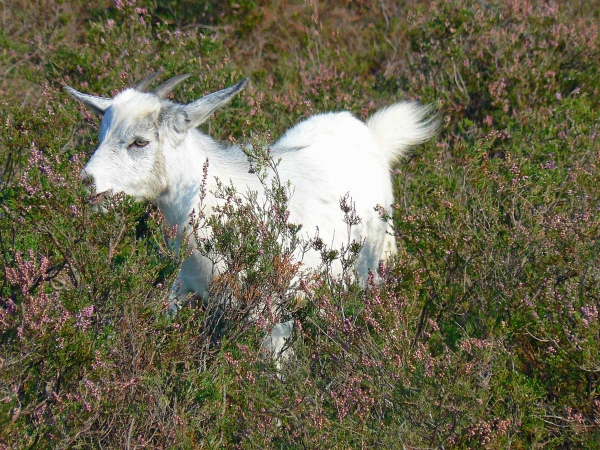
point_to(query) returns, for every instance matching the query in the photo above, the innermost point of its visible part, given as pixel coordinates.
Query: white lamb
(151, 149)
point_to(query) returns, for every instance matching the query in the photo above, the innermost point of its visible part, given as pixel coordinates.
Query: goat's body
(324, 158)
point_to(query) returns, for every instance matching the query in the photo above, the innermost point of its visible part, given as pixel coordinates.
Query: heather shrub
(481, 333)
(492, 64)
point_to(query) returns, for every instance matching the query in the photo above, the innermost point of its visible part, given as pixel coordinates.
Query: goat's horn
(149, 79)
(165, 89)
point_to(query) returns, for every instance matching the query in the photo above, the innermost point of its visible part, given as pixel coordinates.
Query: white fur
(324, 157)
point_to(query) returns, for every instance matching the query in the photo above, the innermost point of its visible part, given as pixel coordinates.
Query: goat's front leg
(176, 298)
(195, 274)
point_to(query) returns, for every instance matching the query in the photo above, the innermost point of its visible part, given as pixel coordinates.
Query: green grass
(484, 331)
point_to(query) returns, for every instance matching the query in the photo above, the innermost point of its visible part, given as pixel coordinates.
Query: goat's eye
(140, 142)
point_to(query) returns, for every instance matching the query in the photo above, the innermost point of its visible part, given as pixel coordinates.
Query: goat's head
(137, 130)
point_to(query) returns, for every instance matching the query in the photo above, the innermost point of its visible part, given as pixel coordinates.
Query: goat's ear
(200, 110)
(96, 104)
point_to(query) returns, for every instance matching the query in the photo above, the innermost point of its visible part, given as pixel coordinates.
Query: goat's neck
(184, 172)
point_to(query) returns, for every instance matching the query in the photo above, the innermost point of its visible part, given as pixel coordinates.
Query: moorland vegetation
(484, 331)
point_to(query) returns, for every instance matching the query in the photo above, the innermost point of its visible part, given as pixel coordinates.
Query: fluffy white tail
(400, 126)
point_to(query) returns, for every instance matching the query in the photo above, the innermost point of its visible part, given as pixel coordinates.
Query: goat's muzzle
(94, 198)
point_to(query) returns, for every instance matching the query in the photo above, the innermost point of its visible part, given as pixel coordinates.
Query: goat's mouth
(96, 199)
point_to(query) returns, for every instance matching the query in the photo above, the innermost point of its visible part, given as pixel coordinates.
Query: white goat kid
(150, 149)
